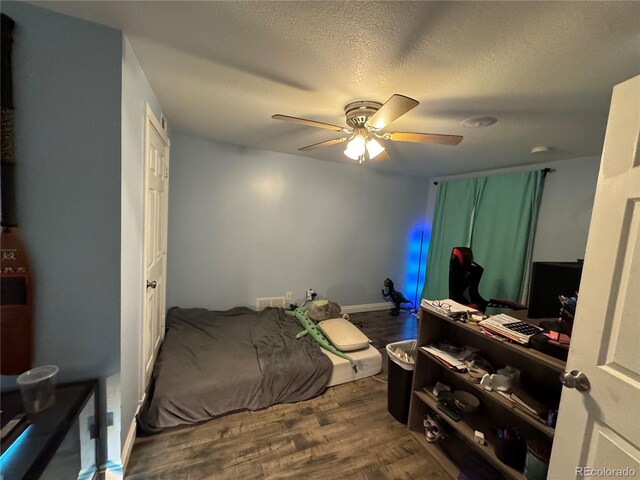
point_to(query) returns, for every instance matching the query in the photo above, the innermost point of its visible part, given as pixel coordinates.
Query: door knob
(575, 379)
(153, 284)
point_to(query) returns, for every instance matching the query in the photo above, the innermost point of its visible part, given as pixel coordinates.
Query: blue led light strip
(8, 454)
(415, 263)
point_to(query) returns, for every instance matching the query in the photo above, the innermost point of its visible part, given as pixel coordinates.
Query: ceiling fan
(367, 119)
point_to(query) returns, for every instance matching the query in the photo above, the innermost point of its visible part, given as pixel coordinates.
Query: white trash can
(400, 378)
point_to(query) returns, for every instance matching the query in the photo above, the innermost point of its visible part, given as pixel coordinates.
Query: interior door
(598, 432)
(155, 241)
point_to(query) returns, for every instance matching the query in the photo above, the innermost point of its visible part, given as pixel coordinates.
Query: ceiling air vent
(262, 303)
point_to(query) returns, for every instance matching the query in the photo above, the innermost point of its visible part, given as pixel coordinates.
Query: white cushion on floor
(343, 334)
(368, 360)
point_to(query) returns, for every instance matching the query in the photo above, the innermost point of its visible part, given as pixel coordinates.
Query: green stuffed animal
(311, 329)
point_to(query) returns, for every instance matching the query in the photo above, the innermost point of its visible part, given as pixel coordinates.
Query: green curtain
(452, 221)
(502, 232)
(496, 217)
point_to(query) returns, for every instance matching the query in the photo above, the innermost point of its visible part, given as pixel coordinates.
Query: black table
(30, 455)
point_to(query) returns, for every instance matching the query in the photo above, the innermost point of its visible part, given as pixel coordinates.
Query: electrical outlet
(289, 295)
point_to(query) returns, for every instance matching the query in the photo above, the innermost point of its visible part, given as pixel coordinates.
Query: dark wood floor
(346, 432)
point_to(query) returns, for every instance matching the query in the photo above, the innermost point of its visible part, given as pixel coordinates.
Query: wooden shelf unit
(466, 428)
(493, 396)
(449, 466)
(539, 372)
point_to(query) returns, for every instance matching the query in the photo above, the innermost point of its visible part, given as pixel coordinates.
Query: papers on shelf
(528, 403)
(446, 306)
(453, 360)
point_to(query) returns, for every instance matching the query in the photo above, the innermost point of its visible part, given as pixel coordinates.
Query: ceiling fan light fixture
(358, 143)
(355, 147)
(374, 148)
(351, 154)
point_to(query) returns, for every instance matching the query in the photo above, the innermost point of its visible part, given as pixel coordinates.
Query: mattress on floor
(368, 360)
(216, 362)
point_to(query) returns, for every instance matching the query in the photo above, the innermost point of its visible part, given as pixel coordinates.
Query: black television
(548, 281)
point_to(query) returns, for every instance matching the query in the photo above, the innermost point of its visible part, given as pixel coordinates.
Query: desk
(59, 443)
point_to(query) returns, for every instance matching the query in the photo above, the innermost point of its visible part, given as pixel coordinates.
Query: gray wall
(136, 93)
(247, 223)
(67, 86)
(67, 77)
(565, 209)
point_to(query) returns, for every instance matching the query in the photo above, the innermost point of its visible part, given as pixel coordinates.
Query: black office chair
(464, 278)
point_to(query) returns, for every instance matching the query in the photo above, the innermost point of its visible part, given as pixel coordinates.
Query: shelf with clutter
(512, 391)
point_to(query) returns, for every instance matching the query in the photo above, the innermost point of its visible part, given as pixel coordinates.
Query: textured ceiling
(545, 70)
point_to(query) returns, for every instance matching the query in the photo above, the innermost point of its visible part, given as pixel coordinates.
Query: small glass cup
(38, 388)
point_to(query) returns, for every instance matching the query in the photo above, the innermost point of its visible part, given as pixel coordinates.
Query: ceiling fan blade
(381, 157)
(309, 123)
(424, 138)
(326, 143)
(393, 108)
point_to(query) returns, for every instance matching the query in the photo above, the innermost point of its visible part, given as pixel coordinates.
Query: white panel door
(155, 242)
(598, 432)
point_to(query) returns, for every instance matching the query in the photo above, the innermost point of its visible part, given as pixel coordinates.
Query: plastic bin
(400, 377)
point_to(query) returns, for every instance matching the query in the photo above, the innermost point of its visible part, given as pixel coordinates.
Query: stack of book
(526, 403)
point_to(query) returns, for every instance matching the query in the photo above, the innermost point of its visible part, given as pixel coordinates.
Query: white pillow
(343, 334)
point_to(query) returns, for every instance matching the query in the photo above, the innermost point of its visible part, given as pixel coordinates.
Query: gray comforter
(216, 362)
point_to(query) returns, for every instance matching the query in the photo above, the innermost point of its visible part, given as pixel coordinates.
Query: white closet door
(156, 190)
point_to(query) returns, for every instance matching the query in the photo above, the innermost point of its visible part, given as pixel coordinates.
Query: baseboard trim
(367, 307)
(128, 445)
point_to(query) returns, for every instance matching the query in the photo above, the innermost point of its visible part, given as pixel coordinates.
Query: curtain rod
(544, 173)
